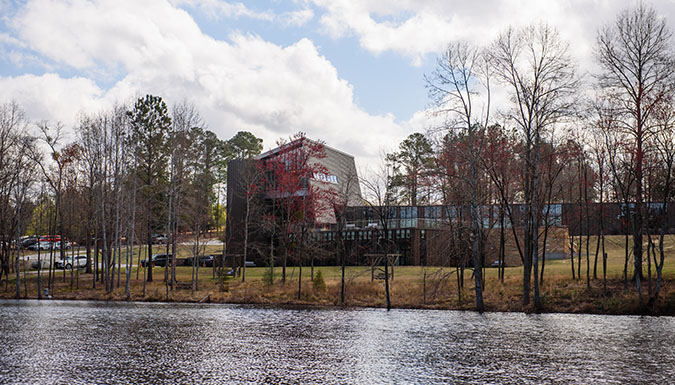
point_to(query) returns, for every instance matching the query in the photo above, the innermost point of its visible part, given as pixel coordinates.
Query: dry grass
(412, 287)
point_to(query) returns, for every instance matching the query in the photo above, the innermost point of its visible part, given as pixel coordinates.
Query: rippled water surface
(88, 342)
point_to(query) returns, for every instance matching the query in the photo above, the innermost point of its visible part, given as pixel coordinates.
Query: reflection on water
(89, 342)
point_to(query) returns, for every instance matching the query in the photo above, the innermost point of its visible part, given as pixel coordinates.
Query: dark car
(204, 261)
(158, 260)
(29, 241)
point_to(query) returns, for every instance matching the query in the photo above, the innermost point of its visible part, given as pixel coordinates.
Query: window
(432, 212)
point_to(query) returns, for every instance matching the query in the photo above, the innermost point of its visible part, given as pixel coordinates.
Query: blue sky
(349, 72)
(373, 76)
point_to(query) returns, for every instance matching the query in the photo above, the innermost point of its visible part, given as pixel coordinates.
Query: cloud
(416, 28)
(245, 83)
(297, 18)
(51, 97)
(217, 9)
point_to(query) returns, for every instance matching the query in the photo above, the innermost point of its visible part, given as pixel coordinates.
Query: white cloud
(244, 84)
(50, 97)
(297, 18)
(6, 39)
(415, 28)
(217, 9)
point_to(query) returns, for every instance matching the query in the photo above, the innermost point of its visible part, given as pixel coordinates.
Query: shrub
(268, 277)
(318, 283)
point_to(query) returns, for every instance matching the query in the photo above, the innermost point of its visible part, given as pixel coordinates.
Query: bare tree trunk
(475, 227)
(535, 225)
(572, 254)
(502, 245)
(386, 280)
(197, 262)
(39, 269)
(299, 278)
(96, 242)
(581, 219)
(650, 248)
(283, 267)
(588, 231)
(106, 252)
(18, 247)
(138, 260)
(245, 255)
(132, 237)
(543, 252)
(341, 246)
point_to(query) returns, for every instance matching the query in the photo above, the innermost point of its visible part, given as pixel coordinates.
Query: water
(89, 342)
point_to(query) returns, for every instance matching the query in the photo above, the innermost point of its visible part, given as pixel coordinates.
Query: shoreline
(305, 305)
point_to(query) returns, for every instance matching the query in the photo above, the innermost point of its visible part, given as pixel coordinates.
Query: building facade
(336, 221)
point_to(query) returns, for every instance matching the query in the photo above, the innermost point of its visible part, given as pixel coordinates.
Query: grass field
(412, 286)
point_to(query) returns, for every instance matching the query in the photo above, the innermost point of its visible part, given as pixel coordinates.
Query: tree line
(129, 173)
(562, 137)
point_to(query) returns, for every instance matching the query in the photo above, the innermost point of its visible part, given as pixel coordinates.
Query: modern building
(302, 170)
(338, 220)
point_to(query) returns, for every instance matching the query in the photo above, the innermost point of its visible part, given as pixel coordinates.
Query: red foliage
(290, 179)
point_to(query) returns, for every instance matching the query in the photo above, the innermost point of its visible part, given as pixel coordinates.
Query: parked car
(42, 245)
(57, 245)
(160, 238)
(204, 260)
(158, 260)
(497, 263)
(250, 264)
(71, 261)
(28, 241)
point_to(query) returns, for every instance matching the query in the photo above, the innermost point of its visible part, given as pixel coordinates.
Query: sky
(347, 72)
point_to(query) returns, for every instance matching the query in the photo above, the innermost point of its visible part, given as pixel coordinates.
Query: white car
(72, 261)
(42, 245)
(66, 245)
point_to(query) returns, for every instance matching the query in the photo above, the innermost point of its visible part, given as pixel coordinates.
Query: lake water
(62, 342)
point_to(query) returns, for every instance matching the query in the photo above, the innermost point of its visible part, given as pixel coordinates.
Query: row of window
(364, 235)
(435, 216)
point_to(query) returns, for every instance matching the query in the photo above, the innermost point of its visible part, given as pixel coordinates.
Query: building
(324, 184)
(303, 171)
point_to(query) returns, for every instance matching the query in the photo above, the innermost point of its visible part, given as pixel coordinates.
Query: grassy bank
(411, 287)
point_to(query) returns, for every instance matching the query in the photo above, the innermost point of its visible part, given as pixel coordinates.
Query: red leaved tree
(300, 199)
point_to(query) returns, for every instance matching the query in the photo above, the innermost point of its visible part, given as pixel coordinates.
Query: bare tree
(16, 179)
(462, 74)
(340, 202)
(665, 149)
(535, 65)
(638, 73)
(379, 195)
